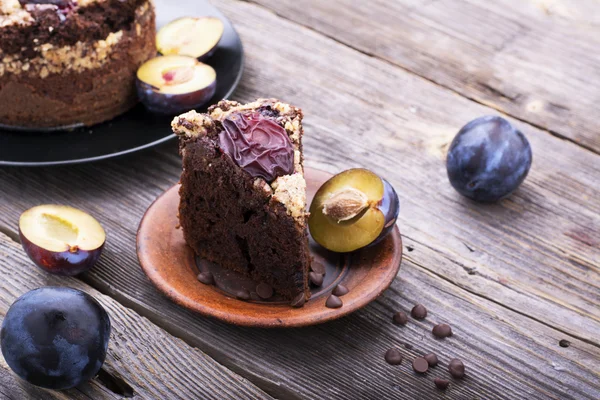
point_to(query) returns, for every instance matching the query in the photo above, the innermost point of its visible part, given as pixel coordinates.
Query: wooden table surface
(384, 85)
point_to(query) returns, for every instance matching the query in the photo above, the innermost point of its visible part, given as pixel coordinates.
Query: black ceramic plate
(135, 130)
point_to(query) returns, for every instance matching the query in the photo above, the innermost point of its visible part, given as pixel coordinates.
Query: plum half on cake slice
(243, 193)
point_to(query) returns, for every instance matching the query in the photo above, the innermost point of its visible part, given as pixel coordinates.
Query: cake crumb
(9, 6)
(262, 185)
(290, 190)
(191, 124)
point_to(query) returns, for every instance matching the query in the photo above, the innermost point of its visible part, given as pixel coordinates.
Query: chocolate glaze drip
(257, 144)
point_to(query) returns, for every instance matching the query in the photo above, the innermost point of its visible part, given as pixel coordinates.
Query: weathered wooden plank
(535, 254)
(152, 363)
(507, 355)
(536, 60)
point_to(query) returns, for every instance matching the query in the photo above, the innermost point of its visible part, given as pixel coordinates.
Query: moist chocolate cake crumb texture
(249, 219)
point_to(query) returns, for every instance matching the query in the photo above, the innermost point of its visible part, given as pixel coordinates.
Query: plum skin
(390, 207)
(172, 104)
(63, 263)
(55, 337)
(488, 159)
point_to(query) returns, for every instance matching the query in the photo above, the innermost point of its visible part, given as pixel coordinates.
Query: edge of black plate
(132, 150)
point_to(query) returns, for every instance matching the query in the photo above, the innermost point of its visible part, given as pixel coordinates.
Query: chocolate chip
(456, 368)
(432, 359)
(420, 365)
(207, 278)
(316, 279)
(242, 294)
(564, 343)
(442, 331)
(340, 290)
(441, 384)
(400, 318)
(333, 302)
(255, 297)
(264, 290)
(298, 301)
(318, 267)
(393, 357)
(419, 312)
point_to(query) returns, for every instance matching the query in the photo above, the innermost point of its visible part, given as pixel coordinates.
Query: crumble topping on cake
(289, 189)
(8, 8)
(192, 124)
(14, 7)
(23, 27)
(78, 57)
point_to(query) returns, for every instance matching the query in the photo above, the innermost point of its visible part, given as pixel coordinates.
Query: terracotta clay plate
(173, 268)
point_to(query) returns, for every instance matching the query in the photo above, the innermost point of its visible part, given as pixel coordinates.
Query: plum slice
(61, 239)
(175, 84)
(354, 209)
(193, 37)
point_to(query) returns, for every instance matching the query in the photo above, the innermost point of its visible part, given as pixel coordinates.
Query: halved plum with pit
(61, 239)
(354, 209)
(193, 37)
(175, 84)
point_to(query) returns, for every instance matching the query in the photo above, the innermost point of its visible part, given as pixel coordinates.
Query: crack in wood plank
(12, 234)
(495, 91)
(115, 383)
(269, 386)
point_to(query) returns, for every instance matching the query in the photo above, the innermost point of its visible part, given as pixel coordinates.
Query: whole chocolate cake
(67, 62)
(243, 193)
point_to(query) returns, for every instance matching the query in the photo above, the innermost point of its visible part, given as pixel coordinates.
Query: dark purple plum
(171, 85)
(354, 209)
(488, 159)
(55, 337)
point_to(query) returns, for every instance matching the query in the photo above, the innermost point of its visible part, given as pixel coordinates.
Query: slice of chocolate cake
(243, 193)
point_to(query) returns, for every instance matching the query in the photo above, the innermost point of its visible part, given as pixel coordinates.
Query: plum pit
(178, 76)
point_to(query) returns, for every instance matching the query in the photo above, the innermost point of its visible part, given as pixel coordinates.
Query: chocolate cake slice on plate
(243, 193)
